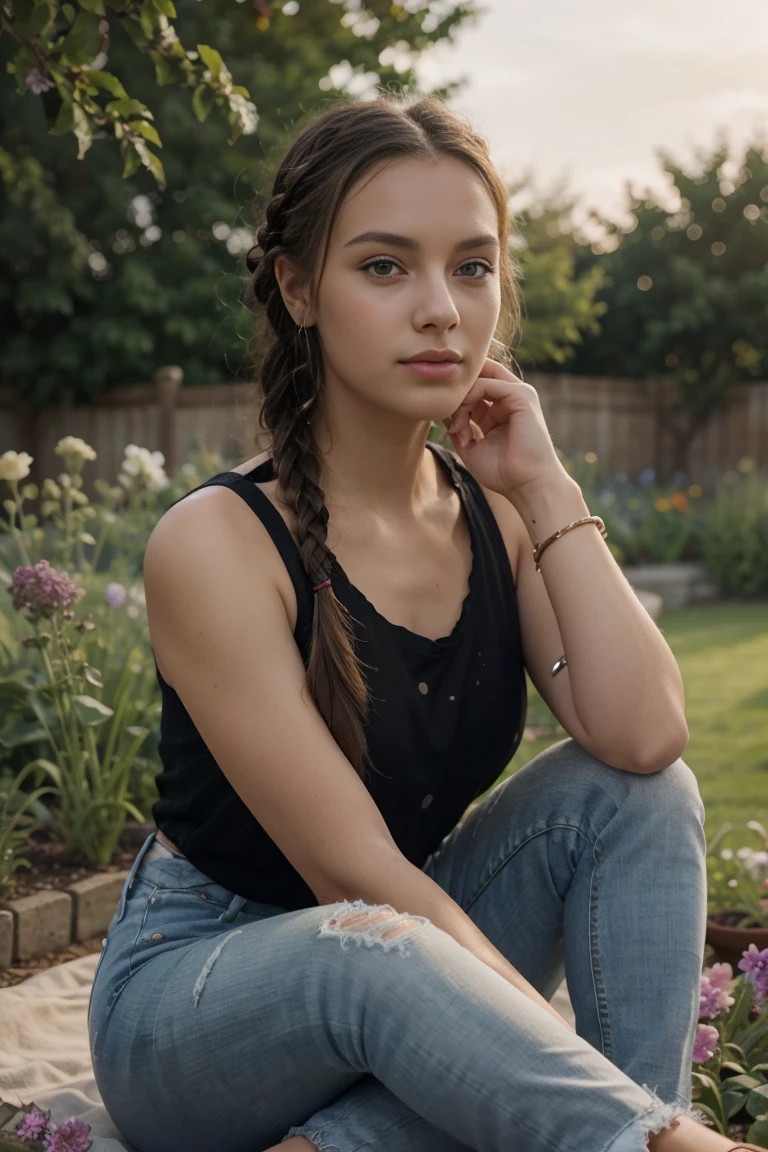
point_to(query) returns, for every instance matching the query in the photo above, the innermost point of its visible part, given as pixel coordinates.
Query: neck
(373, 460)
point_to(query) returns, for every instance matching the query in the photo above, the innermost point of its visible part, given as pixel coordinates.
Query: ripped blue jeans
(220, 1023)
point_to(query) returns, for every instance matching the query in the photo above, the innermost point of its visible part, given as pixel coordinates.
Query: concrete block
(94, 902)
(6, 939)
(678, 584)
(42, 923)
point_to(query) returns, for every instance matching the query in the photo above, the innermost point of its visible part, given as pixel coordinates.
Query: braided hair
(331, 152)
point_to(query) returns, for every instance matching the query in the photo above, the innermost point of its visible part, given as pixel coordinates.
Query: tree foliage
(687, 290)
(105, 278)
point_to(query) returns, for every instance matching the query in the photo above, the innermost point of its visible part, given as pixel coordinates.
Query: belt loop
(234, 907)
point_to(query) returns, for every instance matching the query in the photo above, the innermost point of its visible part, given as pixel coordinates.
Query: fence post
(168, 380)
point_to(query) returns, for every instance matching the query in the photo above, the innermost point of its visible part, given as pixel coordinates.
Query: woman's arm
(621, 693)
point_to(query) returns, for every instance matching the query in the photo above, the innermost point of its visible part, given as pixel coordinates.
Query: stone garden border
(51, 919)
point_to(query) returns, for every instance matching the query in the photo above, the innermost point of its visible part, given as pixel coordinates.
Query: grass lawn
(722, 651)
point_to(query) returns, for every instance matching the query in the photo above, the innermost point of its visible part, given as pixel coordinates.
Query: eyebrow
(393, 239)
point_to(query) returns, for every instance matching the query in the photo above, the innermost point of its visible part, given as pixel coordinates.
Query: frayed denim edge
(650, 1123)
(314, 1135)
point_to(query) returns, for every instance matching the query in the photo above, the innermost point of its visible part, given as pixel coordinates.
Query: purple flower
(115, 594)
(755, 965)
(71, 1136)
(37, 81)
(705, 1043)
(34, 1124)
(41, 590)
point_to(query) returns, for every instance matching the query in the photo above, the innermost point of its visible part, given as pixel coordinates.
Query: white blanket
(44, 1054)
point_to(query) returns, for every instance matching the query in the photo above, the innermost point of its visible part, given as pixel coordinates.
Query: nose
(435, 306)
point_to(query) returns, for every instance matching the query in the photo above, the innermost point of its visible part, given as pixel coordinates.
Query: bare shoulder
(209, 546)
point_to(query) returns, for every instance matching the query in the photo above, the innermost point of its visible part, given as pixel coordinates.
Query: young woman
(316, 949)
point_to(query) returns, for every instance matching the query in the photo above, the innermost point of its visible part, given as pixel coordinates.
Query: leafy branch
(63, 48)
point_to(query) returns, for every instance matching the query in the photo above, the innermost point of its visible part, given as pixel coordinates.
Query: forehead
(435, 200)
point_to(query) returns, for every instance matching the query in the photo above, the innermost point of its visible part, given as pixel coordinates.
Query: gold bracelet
(539, 548)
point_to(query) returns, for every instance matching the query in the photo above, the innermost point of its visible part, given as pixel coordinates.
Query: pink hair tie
(317, 587)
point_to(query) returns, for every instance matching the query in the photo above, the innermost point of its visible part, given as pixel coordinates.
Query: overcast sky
(590, 89)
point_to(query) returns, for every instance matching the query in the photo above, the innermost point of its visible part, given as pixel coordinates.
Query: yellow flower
(695, 491)
(15, 465)
(75, 449)
(662, 505)
(679, 502)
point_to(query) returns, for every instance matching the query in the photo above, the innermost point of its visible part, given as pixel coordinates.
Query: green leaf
(41, 19)
(82, 130)
(732, 1066)
(148, 131)
(744, 1081)
(109, 82)
(212, 59)
(96, 6)
(733, 1102)
(93, 676)
(69, 12)
(132, 159)
(164, 72)
(137, 730)
(127, 108)
(48, 768)
(757, 1101)
(202, 101)
(83, 41)
(92, 711)
(165, 7)
(149, 19)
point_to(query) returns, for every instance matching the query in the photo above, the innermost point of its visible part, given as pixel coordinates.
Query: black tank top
(446, 715)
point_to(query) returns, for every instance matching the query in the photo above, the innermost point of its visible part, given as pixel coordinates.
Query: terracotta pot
(728, 942)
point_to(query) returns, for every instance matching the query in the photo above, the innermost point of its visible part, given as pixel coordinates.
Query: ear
(293, 290)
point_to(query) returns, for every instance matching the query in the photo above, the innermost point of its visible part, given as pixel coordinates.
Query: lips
(430, 356)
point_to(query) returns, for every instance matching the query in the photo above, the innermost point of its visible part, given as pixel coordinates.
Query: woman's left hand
(515, 448)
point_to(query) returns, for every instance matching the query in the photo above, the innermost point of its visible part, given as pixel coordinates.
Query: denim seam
(598, 984)
(527, 837)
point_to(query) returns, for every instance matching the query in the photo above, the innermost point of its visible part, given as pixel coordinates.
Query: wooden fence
(625, 422)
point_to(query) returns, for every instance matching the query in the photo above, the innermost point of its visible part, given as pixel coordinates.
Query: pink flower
(41, 589)
(34, 1124)
(705, 1043)
(71, 1136)
(713, 996)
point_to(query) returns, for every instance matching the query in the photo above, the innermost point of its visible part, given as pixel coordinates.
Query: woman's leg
(573, 865)
(286, 1018)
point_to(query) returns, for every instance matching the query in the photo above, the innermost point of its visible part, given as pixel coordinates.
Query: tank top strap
(247, 489)
(477, 507)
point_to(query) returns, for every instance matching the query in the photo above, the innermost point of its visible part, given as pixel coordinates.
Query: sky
(588, 91)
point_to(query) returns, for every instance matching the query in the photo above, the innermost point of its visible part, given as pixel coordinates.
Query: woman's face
(381, 301)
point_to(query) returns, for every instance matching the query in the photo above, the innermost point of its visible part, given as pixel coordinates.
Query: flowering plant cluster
(38, 1133)
(730, 1052)
(737, 880)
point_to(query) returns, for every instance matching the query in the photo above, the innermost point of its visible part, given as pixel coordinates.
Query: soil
(23, 969)
(52, 867)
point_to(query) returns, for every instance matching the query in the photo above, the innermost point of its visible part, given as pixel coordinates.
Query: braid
(290, 377)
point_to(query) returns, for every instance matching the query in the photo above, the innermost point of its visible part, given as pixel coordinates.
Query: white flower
(76, 448)
(742, 853)
(15, 465)
(145, 467)
(727, 854)
(757, 865)
(136, 595)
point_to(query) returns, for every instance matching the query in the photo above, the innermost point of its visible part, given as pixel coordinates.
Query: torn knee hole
(372, 925)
